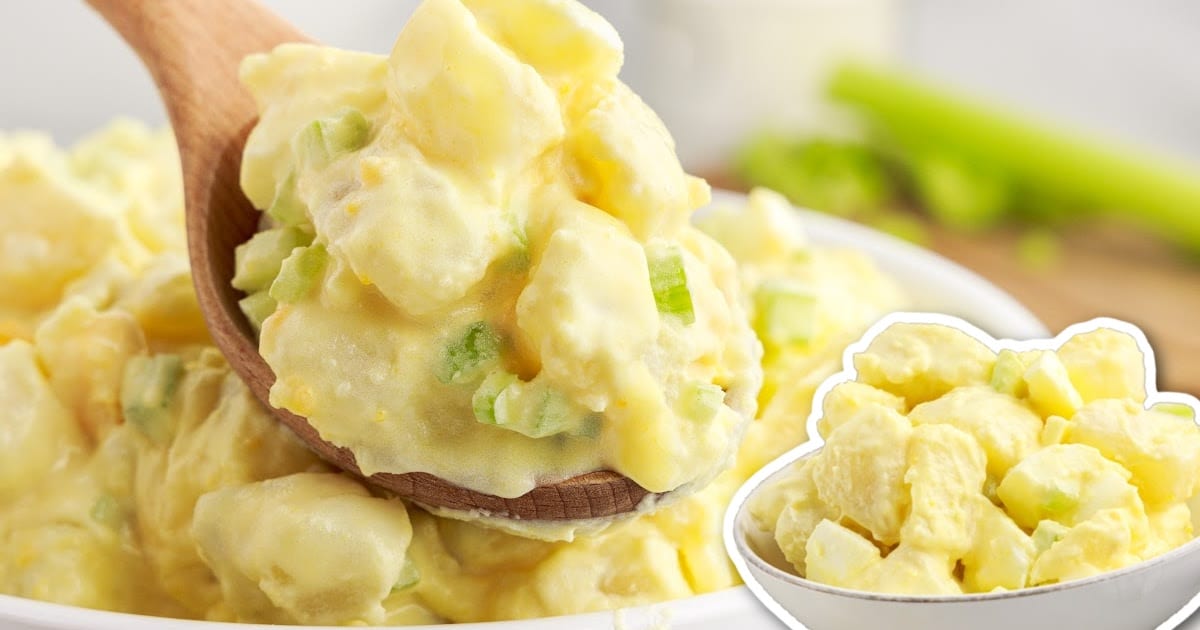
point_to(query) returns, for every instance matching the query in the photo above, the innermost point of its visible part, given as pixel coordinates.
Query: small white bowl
(933, 283)
(1158, 593)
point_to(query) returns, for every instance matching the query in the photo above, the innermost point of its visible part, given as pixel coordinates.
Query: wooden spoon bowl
(193, 49)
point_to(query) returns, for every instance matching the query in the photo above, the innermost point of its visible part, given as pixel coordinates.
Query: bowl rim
(828, 231)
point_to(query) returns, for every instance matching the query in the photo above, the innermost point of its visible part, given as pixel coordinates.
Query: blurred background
(1053, 146)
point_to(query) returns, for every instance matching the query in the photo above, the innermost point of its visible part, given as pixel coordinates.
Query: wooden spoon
(193, 48)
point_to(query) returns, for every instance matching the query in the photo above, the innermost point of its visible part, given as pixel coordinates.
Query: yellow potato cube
(1005, 427)
(1055, 431)
(765, 232)
(1105, 363)
(796, 486)
(269, 544)
(346, 79)
(838, 556)
(566, 42)
(1050, 388)
(1170, 527)
(86, 353)
(595, 574)
(946, 471)
(921, 362)
(52, 231)
(503, 114)
(860, 473)
(627, 160)
(908, 570)
(1001, 553)
(1104, 542)
(37, 432)
(795, 526)
(1067, 483)
(846, 400)
(1161, 450)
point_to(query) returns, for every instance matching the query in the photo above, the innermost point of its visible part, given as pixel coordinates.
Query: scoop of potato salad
(478, 262)
(950, 468)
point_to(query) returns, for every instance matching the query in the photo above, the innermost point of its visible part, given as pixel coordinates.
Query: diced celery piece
(107, 511)
(287, 208)
(553, 414)
(785, 313)
(1058, 501)
(410, 576)
(299, 273)
(668, 280)
(1175, 409)
(484, 400)
(326, 139)
(258, 260)
(1008, 375)
(590, 426)
(469, 355)
(147, 387)
(257, 307)
(701, 401)
(538, 411)
(518, 259)
(1047, 533)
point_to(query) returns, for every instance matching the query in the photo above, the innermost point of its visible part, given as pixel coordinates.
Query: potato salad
(138, 473)
(478, 261)
(949, 468)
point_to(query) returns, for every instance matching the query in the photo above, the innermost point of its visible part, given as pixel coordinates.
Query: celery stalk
(1161, 194)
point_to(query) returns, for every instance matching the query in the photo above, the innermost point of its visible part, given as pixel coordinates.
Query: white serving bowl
(934, 283)
(1158, 593)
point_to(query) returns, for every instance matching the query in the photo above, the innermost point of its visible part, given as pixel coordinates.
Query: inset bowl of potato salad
(955, 480)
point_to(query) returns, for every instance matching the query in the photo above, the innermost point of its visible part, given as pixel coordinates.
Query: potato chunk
(1007, 429)
(860, 473)
(1161, 450)
(1067, 483)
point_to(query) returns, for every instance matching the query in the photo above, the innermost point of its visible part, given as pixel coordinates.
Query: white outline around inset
(848, 373)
